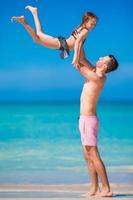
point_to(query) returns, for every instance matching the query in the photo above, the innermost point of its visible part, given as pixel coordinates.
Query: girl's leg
(47, 40)
(29, 29)
(34, 12)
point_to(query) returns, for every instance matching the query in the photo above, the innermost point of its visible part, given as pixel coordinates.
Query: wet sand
(60, 192)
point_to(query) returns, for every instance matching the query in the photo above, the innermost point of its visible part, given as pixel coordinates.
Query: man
(88, 121)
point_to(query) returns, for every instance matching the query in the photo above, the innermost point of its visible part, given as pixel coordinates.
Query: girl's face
(91, 23)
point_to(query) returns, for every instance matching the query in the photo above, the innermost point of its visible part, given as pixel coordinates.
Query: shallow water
(45, 137)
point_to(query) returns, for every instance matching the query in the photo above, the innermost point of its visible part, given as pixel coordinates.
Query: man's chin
(97, 66)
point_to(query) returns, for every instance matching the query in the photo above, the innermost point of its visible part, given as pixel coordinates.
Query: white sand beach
(59, 192)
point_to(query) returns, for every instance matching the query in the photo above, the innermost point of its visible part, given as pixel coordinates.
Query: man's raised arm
(88, 72)
(84, 61)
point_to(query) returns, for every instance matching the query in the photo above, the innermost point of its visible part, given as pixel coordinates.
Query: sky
(31, 72)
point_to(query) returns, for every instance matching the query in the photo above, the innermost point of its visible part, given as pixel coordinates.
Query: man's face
(102, 62)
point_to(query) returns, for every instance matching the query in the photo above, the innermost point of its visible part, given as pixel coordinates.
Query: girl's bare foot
(20, 19)
(32, 9)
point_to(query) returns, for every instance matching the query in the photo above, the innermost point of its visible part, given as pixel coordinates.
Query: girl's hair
(87, 16)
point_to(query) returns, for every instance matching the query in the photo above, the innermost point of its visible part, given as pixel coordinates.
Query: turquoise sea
(40, 143)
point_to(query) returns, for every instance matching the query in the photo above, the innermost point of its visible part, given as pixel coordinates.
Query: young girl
(75, 40)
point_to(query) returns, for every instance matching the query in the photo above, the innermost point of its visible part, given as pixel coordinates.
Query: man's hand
(76, 63)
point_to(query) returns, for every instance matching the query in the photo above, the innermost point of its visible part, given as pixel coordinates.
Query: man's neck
(100, 73)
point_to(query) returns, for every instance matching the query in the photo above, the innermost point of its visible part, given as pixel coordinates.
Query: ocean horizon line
(63, 102)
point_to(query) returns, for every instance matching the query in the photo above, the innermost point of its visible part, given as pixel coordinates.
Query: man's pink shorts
(88, 126)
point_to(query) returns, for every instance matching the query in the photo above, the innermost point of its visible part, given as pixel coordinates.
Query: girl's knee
(39, 34)
(36, 39)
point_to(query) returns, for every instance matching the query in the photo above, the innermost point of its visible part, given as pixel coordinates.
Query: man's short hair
(112, 64)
